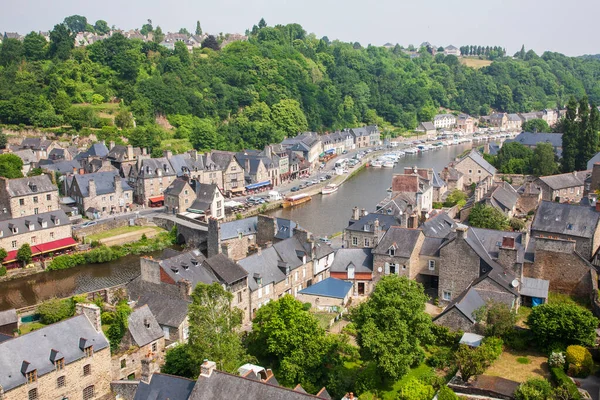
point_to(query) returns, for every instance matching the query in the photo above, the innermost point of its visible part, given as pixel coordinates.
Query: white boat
(332, 188)
(411, 150)
(375, 164)
(401, 154)
(388, 164)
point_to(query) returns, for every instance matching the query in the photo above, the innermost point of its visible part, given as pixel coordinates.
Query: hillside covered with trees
(250, 93)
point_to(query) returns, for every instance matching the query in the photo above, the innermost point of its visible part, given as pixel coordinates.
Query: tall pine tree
(585, 147)
(198, 28)
(570, 139)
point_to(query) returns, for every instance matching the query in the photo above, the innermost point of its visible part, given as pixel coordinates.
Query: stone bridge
(189, 232)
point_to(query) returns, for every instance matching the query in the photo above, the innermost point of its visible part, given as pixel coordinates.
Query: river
(324, 215)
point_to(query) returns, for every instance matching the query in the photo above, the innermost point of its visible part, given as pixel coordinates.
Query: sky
(548, 25)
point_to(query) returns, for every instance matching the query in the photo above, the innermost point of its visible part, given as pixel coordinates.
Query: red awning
(156, 199)
(43, 248)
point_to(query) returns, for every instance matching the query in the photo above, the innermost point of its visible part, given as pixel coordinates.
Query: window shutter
(387, 268)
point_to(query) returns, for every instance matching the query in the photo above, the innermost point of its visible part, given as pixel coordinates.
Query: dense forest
(279, 82)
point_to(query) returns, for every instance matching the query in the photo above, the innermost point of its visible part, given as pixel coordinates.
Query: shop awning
(156, 199)
(258, 185)
(43, 248)
(237, 189)
(330, 151)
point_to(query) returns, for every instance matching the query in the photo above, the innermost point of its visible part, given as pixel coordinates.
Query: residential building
(123, 158)
(306, 145)
(428, 128)
(361, 137)
(355, 266)
(330, 295)
(29, 160)
(529, 197)
(27, 196)
(451, 51)
(209, 201)
(474, 168)
(179, 196)
(142, 343)
(256, 171)
(563, 188)
(149, 178)
(454, 179)
(68, 359)
(551, 116)
(164, 387)
(48, 232)
(530, 140)
(569, 222)
(499, 120)
(365, 230)
(525, 117)
(415, 185)
(100, 194)
(440, 188)
(444, 121)
(233, 173)
(40, 146)
(397, 253)
(9, 324)
(465, 123)
(513, 123)
(502, 197)
(191, 165)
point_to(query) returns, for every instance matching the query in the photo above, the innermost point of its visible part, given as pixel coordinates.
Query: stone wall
(128, 362)
(459, 266)
(472, 171)
(108, 225)
(124, 390)
(583, 246)
(454, 320)
(491, 291)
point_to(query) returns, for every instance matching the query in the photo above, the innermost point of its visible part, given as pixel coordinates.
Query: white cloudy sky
(566, 27)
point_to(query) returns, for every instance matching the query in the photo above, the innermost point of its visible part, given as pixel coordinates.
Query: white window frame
(447, 295)
(431, 265)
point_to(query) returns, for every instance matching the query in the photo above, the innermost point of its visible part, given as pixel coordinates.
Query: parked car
(89, 223)
(345, 152)
(325, 240)
(327, 176)
(255, 200)
(314, 181)
(294, 189)
(322, 179)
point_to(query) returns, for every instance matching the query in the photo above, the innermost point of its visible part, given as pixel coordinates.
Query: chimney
(74, 170)
(363, 212)
(376, 232)
(268, 151)
(111, 145)
(145, 377)
(207, 368)
(247, 165)
(144, 151)
(92, 312)
(167, 154)
(508, 255)
(91, 188)
(193, 155)
(129, 152)
(508, 242)
(355, 214)
(266, 229)
(214, 237)
(185, 288)
(117, 182)
(1, 393)
(595, 184)
(461, 231)
(150, 270)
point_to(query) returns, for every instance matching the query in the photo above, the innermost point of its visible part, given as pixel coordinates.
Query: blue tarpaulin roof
(258, 185)
(330, 287)
(329, 151)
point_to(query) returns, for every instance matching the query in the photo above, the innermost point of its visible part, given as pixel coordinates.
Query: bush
(557, 360)
(2, 270)
(562, 324)
(534, 389)
(441, 357)
(66, 261)
(493, 348)
(306, 306)
(414, 389)
(518, 339)
(350, 329)
(444, 336)
(579, 361)
(446, 393)
(523, 360)
(561, 379)
(368, 378)
(55, 310)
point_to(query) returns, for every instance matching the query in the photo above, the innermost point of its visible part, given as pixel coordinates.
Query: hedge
(560, 378)
(579, 361)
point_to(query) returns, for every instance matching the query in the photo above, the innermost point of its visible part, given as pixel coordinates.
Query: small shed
(534, 291)
(9, 322)
(471, 339)
(327, 295)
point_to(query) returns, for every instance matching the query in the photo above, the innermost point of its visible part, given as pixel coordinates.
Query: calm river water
(323, 215)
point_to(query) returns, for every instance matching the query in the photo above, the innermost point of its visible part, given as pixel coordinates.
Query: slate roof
(478, 158)
(568, 180)
(490, 240)
(362, 259)
(176, 187)
(565, 219)
(248, 226)
(8, 317)
(148, 168)
(436, 181)
(168, 311)
(431, 247)
(205, 193)
(330, 287)
(290, 251)
(119, 153)
(27, 155)
(24, 224)
(221, 385)
(442, 116)
(29, 186)
(104, 181)
(403, 239)
(593, 160)
(439, 226)
(264, 266)
(505, 196)
(184, 163)
(62, 167)
(188, 266)
(534, 287)
(514, 118)
(164, 387)
(143, 327)
(35, 348)
(96, 150)
(227, 270)
(427, 126)
(365, 223)
(466, 303)
(532, 139)
(221, 158)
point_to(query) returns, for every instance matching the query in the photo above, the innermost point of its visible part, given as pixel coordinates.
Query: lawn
(564, 298)
(324, 318)
(117, 231)
(30, 326)
(475, 62)
(522, 315)
(520, 365)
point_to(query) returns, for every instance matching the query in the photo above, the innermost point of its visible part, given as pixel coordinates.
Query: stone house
(46, 232)
(475, 168)
(149, 178)
(563, 188)
(499, 120)
(68, 359)
(465, 123)
(282, 157)
(9, 323)
(179, 196)
(361, 138)
(444, 121)
(529, 197)
(100, 194)
(40, 146)
(551, 116)
(232, 171)
(29, 160)
(558, 261)
(27, 196)
(513, 123)
(188, 165)
(233, 278)
(502, 197)
(428, 128)
(255, 170)
(123, 158)
(308, 146)
(355, 266)
(397, 253)
(143, 341)
(569, 222)
(531, 140)
(440, 188)
(416, 186)
(454, 179)
(365, 229)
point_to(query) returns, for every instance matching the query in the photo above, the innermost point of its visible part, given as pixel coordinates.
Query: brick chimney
(150, 270)
(597, 205)
(207, 368)
(508, 255)
(92, 312)
(355, 214)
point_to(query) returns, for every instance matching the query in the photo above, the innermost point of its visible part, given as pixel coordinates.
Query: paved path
(182, 222)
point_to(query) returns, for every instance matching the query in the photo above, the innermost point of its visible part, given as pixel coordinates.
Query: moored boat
(375, 164)
(388, 164)
(295, 200)
(331, 188)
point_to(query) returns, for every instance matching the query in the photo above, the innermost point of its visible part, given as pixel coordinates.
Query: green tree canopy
(198, 28)
(214, 325)
(76, 23)
(543, 160)
(62, 42)
(11, 52)
(562, 324)
(484, 216)
(101, 27)
(514, 158)
(35, 46)
(211, 43)
(536, 125)
(24, 254)
(392, 325)
(288, 117)
(11, 166)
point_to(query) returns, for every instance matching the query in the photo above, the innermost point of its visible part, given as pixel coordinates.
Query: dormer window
(43, 222)
(146, 323)
(175, 270)
(392, 251)
(59, 364)
(185, 266)
(89, 351)
(30, 225)
(13, 228)
(32, 376)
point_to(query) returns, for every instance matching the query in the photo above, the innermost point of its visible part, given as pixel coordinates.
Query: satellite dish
(515, 283)
(379, 269)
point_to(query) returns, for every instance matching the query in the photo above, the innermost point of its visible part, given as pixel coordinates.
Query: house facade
(444, 121)
(233, 173)
(563, 188)
(27, 196)
(465, 123)
(475, 168)
(100, 194)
